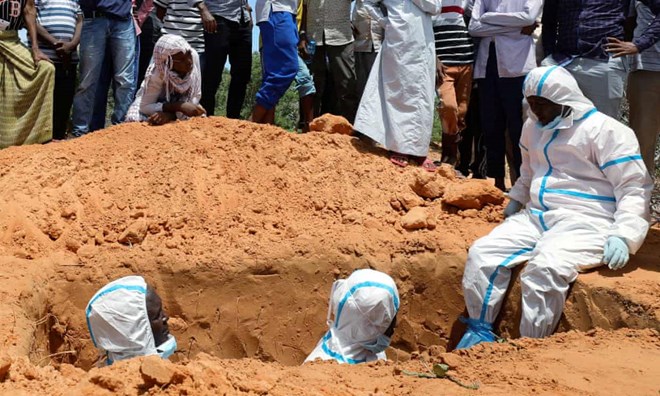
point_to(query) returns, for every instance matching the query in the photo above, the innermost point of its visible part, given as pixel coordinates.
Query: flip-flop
(399, 160)
(429, 166)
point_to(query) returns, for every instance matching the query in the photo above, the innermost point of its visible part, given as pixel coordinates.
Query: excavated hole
(276, 313)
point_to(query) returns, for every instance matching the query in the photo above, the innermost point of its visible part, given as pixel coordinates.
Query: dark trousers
(150, 34)
(471, 147)
(335, 65)
(501, 109)
(65, 88)
(231, 40)
(364, 61)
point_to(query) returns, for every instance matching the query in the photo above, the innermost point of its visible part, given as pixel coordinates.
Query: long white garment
(118, 321)
(363, 306)
(396, 109)
(581, 183)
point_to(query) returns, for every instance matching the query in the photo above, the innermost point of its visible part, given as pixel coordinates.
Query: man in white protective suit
(364, 308)
(396, 109)
(126, 319)
(581, 201)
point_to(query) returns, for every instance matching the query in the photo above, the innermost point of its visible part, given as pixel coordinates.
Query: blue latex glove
(512, 208)
(616, 253)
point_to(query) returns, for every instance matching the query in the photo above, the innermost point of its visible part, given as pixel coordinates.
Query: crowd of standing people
(381, 64)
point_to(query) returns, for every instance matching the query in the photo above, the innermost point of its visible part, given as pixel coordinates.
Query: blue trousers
(501, 109)
(279, 35)
(98, 34)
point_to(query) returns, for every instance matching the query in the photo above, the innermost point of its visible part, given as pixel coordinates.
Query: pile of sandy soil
(242, 229)
(623, 362)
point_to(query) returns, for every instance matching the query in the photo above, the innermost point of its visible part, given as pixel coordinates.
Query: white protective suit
(396, 109)
(363, 306)
(581, 183)
(119, 324)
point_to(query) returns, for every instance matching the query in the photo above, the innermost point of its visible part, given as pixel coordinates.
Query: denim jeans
(97, 35)
(103, 85)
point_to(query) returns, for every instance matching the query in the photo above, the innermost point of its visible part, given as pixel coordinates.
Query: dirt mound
(597, 362)
(331, 124)
(242, 229)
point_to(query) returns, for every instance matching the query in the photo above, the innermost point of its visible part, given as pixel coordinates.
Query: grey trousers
(644, 99)
(333, 68)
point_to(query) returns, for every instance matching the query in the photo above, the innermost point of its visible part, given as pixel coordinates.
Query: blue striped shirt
(58, 17)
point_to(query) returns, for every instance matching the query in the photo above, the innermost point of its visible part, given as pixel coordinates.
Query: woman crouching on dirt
(172, 86)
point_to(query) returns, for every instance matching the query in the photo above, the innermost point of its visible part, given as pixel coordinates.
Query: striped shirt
(647, 31)
(11, 14)
(184, 19)
(453, 44)
(58, 17)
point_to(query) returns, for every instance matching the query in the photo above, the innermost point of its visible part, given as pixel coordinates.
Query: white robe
(397, 106)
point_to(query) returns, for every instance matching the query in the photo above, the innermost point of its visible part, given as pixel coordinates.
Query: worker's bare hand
(161, 118)
(39, 56)
(210, 24)
(192, 110)
(440, 72)
(620, 48)
(529, 30)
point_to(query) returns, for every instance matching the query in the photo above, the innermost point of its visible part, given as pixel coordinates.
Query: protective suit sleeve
(375, 12)
(477, 28)
(617, 153)
(520, 191)
(429, 6)
(529, 14)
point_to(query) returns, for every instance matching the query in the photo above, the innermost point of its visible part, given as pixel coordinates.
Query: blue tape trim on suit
(539, 213)
(580, 195)
(544, 181)
(621, 160)
(335, 355)
(353, 289)
(491, 280)
(539, 88)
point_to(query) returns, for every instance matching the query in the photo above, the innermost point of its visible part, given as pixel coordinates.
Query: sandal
(429, 165)
(399, 159)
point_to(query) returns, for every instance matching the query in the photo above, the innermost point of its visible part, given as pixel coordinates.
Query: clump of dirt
(329, 123)
(242, 229)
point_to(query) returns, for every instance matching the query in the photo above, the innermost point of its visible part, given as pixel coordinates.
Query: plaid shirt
(581, 27)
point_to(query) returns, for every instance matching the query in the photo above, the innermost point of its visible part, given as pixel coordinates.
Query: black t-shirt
(12, 11)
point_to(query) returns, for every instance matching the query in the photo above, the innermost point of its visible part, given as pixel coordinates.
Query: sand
(242, 230)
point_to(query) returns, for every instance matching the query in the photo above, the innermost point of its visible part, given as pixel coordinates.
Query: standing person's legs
(93, 42)
(217, 46)
(101, 97)
(319, 72)
(280, 61)
(602, 82)
(493, 121)
(306, 92)
(572, 244)
(488, 272)
(65, 88)
(364, 61)
(240, 59)
(511, 97)
(448, 111)
(644, 99)
(342, 70)
(122, 45)
(471, 145)
(146, 49)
